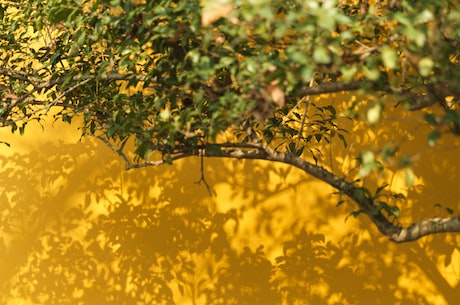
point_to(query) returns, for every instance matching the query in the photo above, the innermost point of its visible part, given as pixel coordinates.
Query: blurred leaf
(434, 137)
(368, 163)
(395, 211)
(425, 66)
(321, 55)
(409, 177)
(451, 116)
(372, 74)
(389, 57)
(348, 73)
(374, 113)
(431, 119)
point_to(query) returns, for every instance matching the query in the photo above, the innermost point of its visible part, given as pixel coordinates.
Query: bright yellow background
(46, 173)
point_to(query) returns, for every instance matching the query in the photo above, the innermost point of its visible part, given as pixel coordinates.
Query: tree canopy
(158, 81)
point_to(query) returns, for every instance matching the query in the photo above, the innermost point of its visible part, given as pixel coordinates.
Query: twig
(202, 153)
(302, 124)
(129, 165)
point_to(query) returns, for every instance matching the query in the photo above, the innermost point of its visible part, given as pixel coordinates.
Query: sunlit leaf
(409, 177)
(395, 211)
(389, 57)
(348, 73)
(425, 66)
(371, 73)
(321, 55)
(374, 113)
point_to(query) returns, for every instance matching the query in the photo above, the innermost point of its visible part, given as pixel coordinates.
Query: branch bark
(427, 227)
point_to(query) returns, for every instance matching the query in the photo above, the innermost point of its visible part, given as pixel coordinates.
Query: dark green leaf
(380, 189)
(341, 137)
(451, 116)
(434, 137)
(318, 137)
(431, 119)
(215, 150)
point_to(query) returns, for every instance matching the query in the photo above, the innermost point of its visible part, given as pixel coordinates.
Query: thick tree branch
(427, 227)
(393, 232)
(250, 151)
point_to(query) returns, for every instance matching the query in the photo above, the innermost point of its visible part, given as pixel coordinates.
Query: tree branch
(331, 88)
(417, 101)
(259, 152)
(393, 232)
(427, 227)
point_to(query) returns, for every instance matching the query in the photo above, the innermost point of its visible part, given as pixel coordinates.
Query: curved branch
(252, 151)
(393, 232)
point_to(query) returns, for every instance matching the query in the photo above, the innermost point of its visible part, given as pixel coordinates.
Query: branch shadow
(78, 229)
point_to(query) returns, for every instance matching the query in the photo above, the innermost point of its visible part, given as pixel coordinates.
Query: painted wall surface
(53, 187)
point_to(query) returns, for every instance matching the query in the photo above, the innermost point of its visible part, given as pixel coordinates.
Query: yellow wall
(44, 176)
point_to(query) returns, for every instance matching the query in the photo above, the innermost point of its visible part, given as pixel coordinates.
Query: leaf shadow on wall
(77, 229)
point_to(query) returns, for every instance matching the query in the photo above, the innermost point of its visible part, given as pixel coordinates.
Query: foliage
(236, 79)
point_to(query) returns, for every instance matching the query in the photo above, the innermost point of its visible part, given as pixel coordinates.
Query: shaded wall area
(78, 229)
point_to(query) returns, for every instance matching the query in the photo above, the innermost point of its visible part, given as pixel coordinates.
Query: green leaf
(355, 214)
(318, 137)
(434, 137)
(348, 73)
(362, 193)
(395, 211)
(372, 74)
(451, 116)
(111, 131)
(431, 119)
(2, 12)
(215, 150)
(409, 177)
(321, 55)
(344, 141)
(425, 66)
(60, 13)
(389, 57)
(374, 113)
(368, 162)
(380, 189)
(22, 129)
(388, 151)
